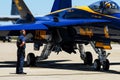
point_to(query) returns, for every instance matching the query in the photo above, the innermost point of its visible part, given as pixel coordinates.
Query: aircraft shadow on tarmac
(56, 64)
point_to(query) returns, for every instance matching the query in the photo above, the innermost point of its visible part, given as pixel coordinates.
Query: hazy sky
(40, 7)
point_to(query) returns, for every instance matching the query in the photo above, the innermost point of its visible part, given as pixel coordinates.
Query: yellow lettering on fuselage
(86, 32)
(106, 32)
(39, 34)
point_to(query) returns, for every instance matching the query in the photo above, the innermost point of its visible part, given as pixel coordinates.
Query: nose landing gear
(102, 59)
(101, 62)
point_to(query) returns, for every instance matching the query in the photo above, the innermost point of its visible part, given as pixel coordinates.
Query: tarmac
(63, 66)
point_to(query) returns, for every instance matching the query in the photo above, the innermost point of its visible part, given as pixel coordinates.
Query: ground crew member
(20, 52)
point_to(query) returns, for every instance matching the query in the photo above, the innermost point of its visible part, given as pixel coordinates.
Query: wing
(72, 22)
(44, 25)
(32, 26)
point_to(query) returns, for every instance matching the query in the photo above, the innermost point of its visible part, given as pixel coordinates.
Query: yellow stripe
(106, 32)
(59, 11)
(86, 8)
(102, 45)
(18, 5)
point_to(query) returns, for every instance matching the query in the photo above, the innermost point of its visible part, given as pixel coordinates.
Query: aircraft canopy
(105, 7)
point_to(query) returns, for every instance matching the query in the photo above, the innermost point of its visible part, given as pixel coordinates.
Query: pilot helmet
(107, 5)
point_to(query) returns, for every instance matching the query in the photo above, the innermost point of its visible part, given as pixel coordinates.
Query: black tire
(97, 65)
(9, 40)
(4, 40)
(30, 59)
(88, 59)
(106, 65)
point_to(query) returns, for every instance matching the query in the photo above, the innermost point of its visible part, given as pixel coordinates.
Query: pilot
(104, 5)
(20, 52)
(107, 5)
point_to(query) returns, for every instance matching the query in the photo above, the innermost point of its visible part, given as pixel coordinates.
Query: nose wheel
(106, 65)
(102, 61)
(97, 65)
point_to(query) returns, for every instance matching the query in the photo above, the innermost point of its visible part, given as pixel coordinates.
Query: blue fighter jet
(68, 28)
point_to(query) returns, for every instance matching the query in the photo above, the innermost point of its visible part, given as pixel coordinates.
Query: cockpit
(105, 7)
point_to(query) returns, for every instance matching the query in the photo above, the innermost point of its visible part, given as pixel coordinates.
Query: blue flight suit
(20, 54)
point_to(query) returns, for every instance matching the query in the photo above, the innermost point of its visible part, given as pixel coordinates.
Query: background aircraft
(67, 29)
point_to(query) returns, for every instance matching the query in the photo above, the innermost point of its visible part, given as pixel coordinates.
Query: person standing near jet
(21, 45)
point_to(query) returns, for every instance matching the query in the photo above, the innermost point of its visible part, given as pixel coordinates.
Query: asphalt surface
(58, 67)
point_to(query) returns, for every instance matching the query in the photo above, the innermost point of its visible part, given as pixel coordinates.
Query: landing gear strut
(102, 58)
(32, 60)
(85, 56)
